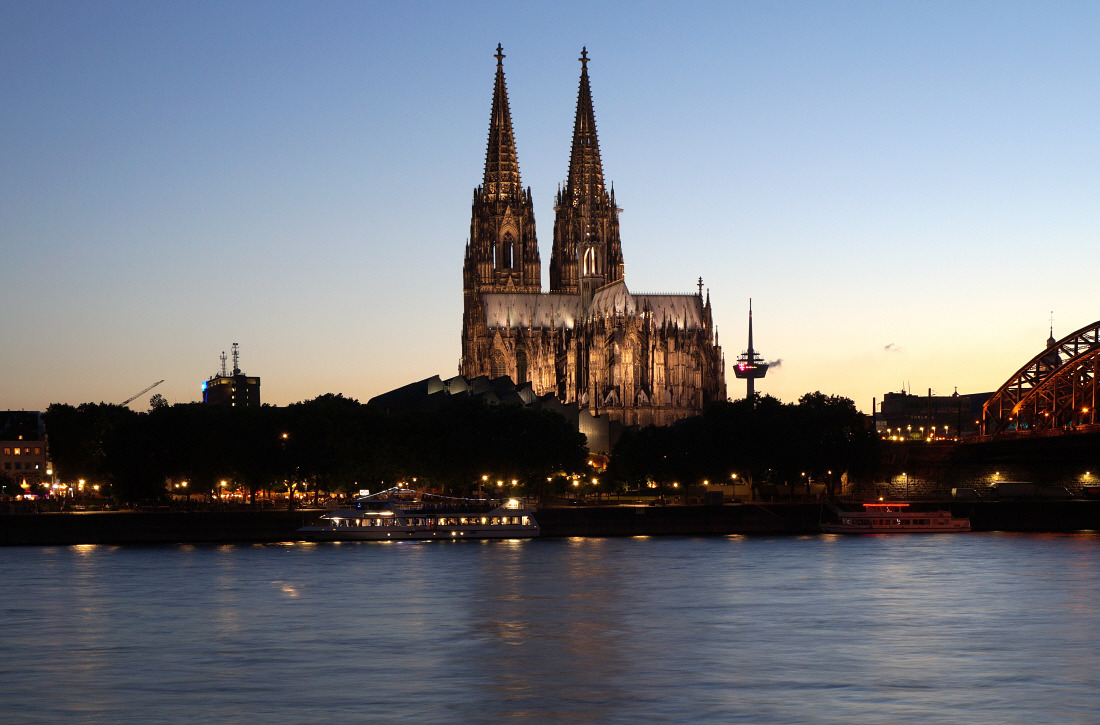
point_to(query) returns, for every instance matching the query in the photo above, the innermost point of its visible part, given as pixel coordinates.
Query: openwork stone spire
(501, 163)
(585, 183)
(587, 253)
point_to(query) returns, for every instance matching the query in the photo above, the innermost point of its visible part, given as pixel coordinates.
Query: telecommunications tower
(750, 365)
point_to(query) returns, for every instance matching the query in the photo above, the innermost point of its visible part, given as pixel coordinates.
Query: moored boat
(894, 518)
(402, 514)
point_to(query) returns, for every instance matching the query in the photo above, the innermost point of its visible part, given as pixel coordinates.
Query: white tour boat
(893, 518)
(402, 514)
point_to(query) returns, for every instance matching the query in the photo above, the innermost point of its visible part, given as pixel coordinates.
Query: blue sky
(906, 190)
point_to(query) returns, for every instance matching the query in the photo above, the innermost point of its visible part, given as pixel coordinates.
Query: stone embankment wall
(931, 470)
(154, 527)
(752, 519)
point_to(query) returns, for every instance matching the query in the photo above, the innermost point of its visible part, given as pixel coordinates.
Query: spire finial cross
(500, 55)
(584, 58)
(700, 286)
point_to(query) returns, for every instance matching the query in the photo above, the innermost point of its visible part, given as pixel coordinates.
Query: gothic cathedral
(639, 359)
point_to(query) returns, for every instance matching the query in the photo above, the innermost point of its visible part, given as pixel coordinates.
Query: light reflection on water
(972, 628)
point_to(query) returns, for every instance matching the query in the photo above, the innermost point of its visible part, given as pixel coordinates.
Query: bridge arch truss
(1050, 393)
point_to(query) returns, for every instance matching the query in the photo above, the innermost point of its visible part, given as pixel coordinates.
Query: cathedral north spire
(585, 183)
(587, 252)
(501, 162)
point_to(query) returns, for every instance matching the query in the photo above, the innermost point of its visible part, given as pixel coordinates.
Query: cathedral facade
(639, 359)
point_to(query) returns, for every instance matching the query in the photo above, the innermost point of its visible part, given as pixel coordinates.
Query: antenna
(224, 374)
(236, 359)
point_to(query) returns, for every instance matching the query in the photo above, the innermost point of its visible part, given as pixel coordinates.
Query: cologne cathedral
(639, 359)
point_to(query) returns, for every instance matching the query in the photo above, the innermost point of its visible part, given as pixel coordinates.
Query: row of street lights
(907, 434)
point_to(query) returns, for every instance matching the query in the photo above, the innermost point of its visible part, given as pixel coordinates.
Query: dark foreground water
(969, 628)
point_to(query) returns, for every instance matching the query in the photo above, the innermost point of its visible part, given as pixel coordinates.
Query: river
(963, 628)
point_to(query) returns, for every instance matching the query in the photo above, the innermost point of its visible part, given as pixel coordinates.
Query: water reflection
(930, 629)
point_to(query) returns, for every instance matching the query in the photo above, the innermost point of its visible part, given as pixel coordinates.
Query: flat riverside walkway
(197, 527)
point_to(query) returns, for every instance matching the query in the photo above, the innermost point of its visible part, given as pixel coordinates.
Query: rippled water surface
(967, 628)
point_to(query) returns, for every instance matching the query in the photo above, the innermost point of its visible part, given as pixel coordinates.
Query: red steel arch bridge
(1054, 392)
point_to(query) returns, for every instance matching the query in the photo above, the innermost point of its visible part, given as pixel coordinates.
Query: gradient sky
(906, 190)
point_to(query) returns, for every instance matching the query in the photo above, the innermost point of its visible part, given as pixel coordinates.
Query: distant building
(23, 458)
(601, 431)
(235, 390)
(922, 416)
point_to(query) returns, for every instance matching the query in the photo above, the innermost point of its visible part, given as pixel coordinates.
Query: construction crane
(134, 397)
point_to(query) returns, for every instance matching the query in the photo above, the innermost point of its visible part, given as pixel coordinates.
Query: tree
(81, 438)
(834, 439)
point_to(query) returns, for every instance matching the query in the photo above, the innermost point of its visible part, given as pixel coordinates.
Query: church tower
(587, 252)
(502, 252)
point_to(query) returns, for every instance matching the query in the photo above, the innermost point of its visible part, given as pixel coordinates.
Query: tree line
(331, 443)
(762, 441)
(337, 445)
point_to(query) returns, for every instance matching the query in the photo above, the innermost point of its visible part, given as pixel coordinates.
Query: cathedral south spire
(502, 253)
(501, 163)
(587, 252)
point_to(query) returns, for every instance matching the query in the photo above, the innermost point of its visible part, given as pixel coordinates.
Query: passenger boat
(893, 518)
(402, 514)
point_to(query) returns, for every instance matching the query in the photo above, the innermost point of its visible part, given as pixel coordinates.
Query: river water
(964, 628)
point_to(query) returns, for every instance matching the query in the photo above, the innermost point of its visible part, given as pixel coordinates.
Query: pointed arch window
(590, 262)
(521, 365)
(496, 364)
(508, 248)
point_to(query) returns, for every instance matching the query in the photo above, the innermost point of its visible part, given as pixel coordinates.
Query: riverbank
(206, 527)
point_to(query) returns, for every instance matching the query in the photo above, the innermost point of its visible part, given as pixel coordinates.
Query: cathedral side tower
(587, 251)
(502, 252)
